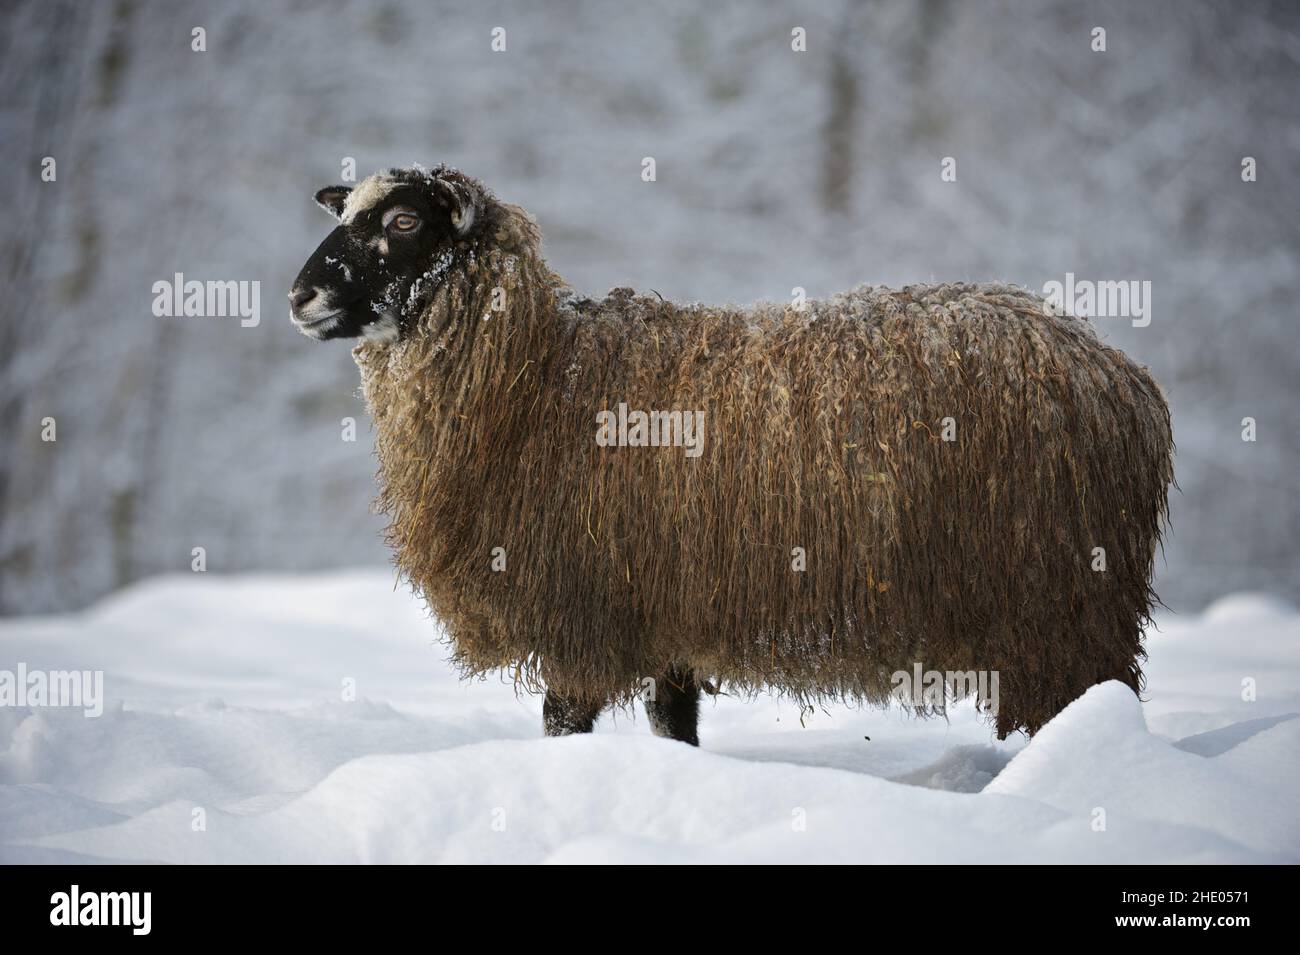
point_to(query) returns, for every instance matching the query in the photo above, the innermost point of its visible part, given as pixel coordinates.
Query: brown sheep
(946, 476)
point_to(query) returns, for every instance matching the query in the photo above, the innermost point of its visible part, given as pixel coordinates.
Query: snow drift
(317, 720)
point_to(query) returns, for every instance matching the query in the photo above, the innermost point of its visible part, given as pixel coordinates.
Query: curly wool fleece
(946, 458)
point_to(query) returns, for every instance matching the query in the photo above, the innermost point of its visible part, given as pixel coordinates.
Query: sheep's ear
(331, 199)
(463, 205)
(462, 217)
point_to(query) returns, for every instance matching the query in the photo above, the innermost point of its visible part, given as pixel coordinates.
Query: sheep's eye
(402, 221)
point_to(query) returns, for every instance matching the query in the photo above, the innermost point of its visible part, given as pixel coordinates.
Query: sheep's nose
(300, 297)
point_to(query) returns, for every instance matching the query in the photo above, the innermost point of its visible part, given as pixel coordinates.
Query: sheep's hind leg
(674, 709)
(565, 715)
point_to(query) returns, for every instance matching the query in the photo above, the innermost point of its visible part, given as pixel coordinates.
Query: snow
(226, 704)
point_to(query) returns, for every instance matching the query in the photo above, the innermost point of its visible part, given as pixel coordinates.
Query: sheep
(945, 476)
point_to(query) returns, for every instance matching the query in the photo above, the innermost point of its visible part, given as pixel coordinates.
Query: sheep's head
(398, 234)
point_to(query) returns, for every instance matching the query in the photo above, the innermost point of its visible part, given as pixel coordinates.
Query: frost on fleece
(823, 428)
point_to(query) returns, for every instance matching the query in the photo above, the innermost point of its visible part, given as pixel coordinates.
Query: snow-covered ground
(229, 736)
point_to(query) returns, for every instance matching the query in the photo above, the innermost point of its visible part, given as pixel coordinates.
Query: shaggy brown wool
(823, 430)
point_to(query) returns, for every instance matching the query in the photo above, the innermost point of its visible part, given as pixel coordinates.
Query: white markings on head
(369, 193)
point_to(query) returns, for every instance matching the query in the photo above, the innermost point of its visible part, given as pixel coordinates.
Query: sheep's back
(887, 477)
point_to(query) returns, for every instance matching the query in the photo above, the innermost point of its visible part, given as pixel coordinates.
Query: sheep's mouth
(317, 325)
(320, 320)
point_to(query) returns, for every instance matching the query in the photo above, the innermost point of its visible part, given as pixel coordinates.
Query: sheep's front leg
(564, 715)
(674, 708)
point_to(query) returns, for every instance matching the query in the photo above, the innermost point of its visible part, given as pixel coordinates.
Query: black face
(379, 267)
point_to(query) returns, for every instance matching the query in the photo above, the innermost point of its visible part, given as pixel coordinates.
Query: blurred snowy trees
(776, 168)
